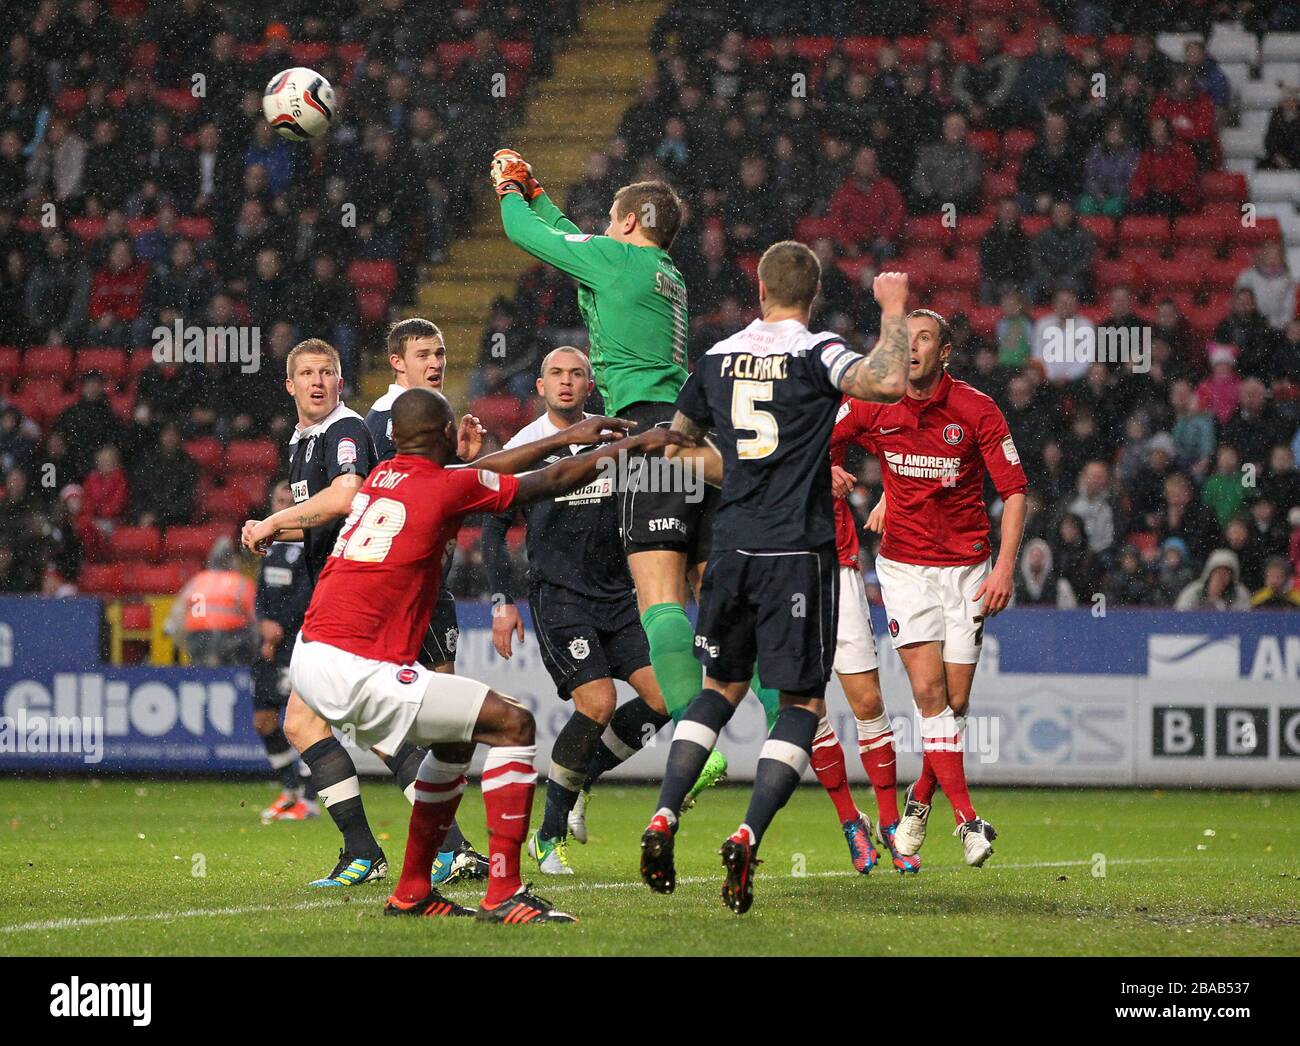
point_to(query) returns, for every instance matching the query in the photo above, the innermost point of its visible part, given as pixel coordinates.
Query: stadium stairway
(577, 110)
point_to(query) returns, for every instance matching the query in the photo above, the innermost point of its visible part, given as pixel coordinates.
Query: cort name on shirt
(756, 368)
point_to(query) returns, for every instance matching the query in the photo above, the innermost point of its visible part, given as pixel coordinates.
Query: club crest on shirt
(407, 675)
(893, 627)
(953, 434)
(579, 648)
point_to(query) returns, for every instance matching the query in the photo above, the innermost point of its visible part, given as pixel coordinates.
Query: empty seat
(1237, 74)
(1102, 229)
(1172, 44)
(971, 229)
(42, 399)
(1174, 275)
(206, 451)
(1259, 94)
(373, 276)
(102, 579)
(195, 541)
(1202, 230)
(1280, 47)
(145, 579)
(1275, 187)
(927, 230)
(1232, 44)
(1141, 230)
(1284, 73)
(246, 454)
(111, 363)
(48, 363)
(809, 229)
(135, 543)
(1223, 185)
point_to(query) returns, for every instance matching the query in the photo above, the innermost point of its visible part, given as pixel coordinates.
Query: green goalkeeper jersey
(632, 298)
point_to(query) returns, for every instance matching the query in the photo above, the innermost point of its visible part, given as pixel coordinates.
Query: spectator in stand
(1185, 517)
(87, 425)
(1043, 73)
(1282, 139)
(1246, 329)
(1207, 76)
(753, 218)
(1188, 357)
(1096, 507)
(1239, 540)
(58, 164)
(1029, 417)
(1267, 532)
(1280, 483)
(1038, 583)
(867, 211)
(1192, 429)
(1224, 491)
(1129, 584)
(1060, 257)
(950, 171)
(1014, 331)
(1146, 491)
(1256, 426)
(1278, 591)
(106, 490)
(1166, 180)
(57, 295)
(163, 482)
(1271, 283)
(1191, 117)
(985, 88)
(1074, 560)
(837, 292)
(717, 276)
(1004, 255)
(14, 328)
(1108, 173)
(116, 292)
(1219, 393)
(1173, 574)
(1052, 169)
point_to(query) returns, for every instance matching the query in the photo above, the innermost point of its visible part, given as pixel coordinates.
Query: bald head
(423, 423)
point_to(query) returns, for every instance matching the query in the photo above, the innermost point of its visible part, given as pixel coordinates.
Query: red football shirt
(846, 525)
(376, 593)
(933, 455)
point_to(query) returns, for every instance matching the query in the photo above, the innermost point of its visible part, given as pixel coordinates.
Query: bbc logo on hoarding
(1240, 732)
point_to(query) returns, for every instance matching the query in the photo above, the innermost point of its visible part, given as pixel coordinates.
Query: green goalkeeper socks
(672, 642)
(771, 700)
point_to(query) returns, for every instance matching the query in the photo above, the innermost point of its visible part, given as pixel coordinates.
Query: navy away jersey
(770, 394)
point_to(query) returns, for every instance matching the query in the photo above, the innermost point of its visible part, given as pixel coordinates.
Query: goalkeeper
(633, 300)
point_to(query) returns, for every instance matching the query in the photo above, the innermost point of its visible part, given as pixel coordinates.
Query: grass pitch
(136, 867)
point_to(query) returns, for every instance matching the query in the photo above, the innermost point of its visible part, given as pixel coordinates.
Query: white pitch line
(690, 880)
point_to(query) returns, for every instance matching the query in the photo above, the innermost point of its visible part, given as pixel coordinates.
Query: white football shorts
(855, 640)
(934, 604)
(382, 703)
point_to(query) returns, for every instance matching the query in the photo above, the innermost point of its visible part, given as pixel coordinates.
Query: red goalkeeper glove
(512, 174)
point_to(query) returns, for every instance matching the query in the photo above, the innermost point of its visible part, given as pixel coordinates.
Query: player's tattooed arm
(569, 473)
(881, 377)
(596, 429)
(334, 502)
(703, 455)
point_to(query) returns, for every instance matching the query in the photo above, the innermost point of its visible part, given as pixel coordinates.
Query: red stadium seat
(1033, 224)
(989, 144)
(1141, 230)
(196, 541)
(177, 99)
(146, 579)
(450, 55)
(252, 454)
(86, 229)
(948, 303)
(807, 230)
(206, 451)
(1102, 229)
(11, 364)
(971, 229)
(1174, 275)
(1108, 273)
(1229, 186)
(227, 503)
(984, 320)
(195, 228)
(1265, 230)
(862, 50)
(1017, 142)
(372, 306)
(122, 403)
(963, 49)
(135, 543)
(373, 276)
(253, 486)
(311, 54)
(927, 230)
(102, 579)
(1115, 48)
(111, 363)
(1204, 318)
(518, 55)
(43, 399)
(48, 363)
(814, 48)
(515, 538)
(468, 537)
(1196, 230)
(998, 185)
(959, 275)
(748, 264)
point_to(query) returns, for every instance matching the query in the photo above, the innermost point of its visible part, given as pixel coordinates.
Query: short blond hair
(312, 347)
(791, 273)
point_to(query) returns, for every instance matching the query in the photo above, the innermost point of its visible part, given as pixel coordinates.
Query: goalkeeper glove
(512, 174)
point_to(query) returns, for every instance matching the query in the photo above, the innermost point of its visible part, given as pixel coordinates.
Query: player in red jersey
(355, 663)
(935, 447)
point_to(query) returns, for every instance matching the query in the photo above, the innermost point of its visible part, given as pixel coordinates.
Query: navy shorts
(776, 608)
(271, 679)
(439, 646)
(583, 639)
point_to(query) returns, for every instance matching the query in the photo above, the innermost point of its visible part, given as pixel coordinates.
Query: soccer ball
(299, 104)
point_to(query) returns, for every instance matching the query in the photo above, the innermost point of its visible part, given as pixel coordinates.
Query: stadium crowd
(140, 187)
(1037, 183)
